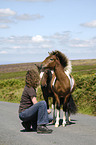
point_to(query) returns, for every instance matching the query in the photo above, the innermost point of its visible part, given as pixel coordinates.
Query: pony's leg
(69, 117)
(64, 115)
(53, 108)
(57, 119)
(48, 110)
(64, 119)
(45, 95)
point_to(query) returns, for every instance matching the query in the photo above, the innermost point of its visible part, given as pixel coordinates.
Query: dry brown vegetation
(26, 66)
(16, 67)
(84, 62)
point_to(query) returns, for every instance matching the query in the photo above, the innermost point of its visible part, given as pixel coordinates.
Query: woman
(31, 112)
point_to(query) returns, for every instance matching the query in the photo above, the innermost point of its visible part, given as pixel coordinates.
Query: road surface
(82, 130)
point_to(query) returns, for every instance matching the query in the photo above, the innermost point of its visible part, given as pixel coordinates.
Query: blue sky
(29, 29)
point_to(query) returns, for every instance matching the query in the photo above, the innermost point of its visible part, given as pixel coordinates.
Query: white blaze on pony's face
(49, 62)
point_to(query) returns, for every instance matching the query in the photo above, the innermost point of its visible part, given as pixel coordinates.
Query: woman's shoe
(26, 125)
(43, 129)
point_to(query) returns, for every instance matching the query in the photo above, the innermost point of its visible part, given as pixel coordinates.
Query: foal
(46, 77)
(47, 91)
(60, 84)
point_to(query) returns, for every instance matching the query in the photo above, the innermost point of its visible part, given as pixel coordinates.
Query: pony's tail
(68, 68)
(72, 108)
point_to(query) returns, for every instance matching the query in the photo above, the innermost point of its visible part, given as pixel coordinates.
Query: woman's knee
(43, 102)
(21, 116)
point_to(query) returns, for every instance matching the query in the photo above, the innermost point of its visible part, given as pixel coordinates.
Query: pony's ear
(49, 53)
(56, 52)
(57, 57)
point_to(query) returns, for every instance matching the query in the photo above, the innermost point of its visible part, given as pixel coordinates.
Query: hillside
(25, 66)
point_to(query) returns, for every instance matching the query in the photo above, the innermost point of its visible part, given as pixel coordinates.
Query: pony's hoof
(56, 125)
(69, 119)
(68, 123)
(63, 125)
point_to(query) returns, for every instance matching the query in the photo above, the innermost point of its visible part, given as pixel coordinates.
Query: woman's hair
(32, 78)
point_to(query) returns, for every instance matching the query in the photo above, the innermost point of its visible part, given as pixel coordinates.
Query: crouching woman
(32, 113)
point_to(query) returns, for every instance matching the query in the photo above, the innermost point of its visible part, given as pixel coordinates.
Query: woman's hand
(49, 111)
(34, 100)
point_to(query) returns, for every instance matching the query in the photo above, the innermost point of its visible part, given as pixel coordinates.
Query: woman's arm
(34, 100)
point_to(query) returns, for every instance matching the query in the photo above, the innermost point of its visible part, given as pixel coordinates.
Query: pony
(45, 82)
(60, 84)
(47, 91)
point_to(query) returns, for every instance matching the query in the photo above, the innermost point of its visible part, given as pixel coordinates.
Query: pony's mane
(65, 62)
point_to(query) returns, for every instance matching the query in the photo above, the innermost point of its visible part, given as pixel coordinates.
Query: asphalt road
(82, 130)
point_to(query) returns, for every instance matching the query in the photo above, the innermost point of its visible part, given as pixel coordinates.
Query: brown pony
(46, 77)
(47, 91)
(61, 80)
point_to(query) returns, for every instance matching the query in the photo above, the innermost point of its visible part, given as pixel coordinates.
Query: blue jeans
(36, 113)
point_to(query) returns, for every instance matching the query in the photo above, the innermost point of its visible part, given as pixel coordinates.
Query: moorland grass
(10, 75)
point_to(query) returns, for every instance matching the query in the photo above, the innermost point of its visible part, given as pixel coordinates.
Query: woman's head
(32, 78)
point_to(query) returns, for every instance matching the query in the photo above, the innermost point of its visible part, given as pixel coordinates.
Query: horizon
(41, 61)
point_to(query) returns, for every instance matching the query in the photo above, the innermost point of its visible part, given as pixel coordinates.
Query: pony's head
(53, 58)
(49, 62)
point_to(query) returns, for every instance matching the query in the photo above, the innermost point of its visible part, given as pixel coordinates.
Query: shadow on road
(31, 130)
(61, 121)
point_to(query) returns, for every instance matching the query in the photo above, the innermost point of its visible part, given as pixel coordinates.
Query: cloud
(37, 38)
(79, 43)
(16, 47)
(39, 41)
(10, 16)
(62, 38)
(63, 35)
(4, 27)
(91, 24)
(25, 44)
(7, 12)
(42, 44)
(3, 52)
(6, 16)
(46, 46)
(6, 20)
(36, 48)
(28, 17)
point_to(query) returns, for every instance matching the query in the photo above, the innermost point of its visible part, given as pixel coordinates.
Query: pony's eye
(51, 59)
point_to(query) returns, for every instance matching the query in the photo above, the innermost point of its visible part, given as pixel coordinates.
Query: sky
(29, 29)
